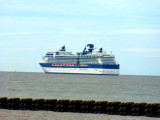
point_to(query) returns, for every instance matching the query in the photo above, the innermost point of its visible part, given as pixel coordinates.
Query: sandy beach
(49, 115)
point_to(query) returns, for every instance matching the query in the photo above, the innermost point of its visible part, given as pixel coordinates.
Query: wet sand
(49, 115)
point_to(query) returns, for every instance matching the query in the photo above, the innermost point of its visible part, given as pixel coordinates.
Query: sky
(128, 28)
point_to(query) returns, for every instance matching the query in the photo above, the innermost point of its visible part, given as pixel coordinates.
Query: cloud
(18, 33)
(136, 31)
(116, 32)
(23, 49)
(149, 50)
(79, 32)
(153, 55)
(145, 52)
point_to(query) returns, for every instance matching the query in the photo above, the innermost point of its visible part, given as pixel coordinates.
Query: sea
(123, 88)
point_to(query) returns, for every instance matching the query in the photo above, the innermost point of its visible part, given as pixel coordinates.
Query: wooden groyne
(82, 106)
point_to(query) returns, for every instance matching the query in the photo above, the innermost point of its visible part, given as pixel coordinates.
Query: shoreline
(152, 75)
(49, 115)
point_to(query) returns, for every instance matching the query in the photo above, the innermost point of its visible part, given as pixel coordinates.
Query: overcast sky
(129, 28)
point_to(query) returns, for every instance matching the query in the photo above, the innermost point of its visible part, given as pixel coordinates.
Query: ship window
(49, 54)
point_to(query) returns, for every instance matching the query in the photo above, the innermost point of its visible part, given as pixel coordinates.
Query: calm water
(125, 88)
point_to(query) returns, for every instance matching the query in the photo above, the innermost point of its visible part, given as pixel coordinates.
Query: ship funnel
(100, 50)
(88, 49)
(62, 48)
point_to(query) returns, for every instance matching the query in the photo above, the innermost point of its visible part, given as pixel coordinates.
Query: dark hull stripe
(83, 74)
(88, 66)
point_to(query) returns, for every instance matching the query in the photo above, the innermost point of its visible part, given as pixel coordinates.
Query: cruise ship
(89, 61)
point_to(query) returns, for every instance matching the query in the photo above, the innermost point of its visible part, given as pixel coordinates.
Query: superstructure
(89, 61)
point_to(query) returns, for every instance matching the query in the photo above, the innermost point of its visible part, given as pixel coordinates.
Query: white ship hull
(81, 70)
(90, 61)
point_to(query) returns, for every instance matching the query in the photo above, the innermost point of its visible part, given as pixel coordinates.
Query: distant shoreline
(73, 74)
